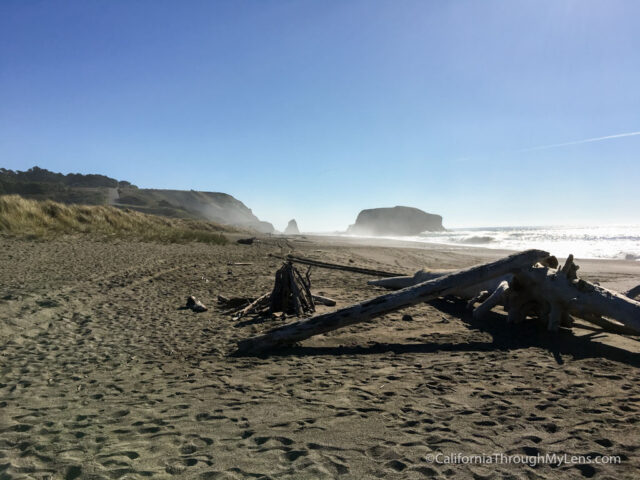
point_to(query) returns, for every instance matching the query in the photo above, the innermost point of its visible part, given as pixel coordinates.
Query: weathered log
(609, 325)
(329, 302)
(633, 293)
(404, 281)
(297, 331)
(470, 292)
(335, 266)
(558, 291)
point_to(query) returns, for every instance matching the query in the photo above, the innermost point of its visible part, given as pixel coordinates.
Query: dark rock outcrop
(395, 221)
(292, 228)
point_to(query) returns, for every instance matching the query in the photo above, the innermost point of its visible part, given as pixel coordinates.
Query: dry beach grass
(102, 375)
(46, 219)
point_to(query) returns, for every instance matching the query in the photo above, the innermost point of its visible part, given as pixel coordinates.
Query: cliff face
(292, 228)
(214, 206)
(40, 184)
(395, 221)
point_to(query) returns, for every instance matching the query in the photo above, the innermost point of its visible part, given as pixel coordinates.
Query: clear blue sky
(317, 109)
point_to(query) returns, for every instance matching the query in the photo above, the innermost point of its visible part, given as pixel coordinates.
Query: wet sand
(103, 375)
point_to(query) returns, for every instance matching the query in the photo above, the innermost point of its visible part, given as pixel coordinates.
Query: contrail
(577, 142)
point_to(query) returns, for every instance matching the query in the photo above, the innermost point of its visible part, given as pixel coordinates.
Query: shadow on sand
(504, 337)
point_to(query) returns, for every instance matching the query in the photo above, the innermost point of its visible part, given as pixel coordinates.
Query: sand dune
(102, 375)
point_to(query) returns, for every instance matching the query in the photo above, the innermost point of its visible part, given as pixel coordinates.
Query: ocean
(618, 241)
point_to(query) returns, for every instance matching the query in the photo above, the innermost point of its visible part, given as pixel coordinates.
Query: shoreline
(560, 247)
(605, 270)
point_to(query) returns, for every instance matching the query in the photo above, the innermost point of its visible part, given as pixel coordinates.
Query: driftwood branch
(496, 298)
(404, 281)
(335, 266)
(329, 302)
(253, 306)
(375, 307)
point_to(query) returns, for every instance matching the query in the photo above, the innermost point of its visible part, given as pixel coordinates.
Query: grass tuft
(42, 219)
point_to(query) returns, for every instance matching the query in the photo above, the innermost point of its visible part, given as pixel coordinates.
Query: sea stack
(292, 228)
(395, 221)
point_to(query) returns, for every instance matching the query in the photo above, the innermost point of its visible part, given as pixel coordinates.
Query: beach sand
(103, 375)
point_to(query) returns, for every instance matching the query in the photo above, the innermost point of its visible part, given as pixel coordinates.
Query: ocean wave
(615, 242)
(475, 240)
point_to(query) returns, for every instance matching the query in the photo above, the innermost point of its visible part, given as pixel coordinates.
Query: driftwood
(195, 305)
(553, 295)
(633, 293)
(497, 297)
(404, 281)
(610, 326)
(234, 303)
(335, 266)
(255, 305)
(329, 302)
(474, 293)
(422, 292)
(470, 292)
(528, 285)
(291, 292)
(246, 241)
(556, 294)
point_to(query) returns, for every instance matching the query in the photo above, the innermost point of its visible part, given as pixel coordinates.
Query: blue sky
(316, 110)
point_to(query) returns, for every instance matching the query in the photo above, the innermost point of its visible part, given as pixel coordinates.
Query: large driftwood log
(361, 312)
(404, 281)
(397, 283)
(611, 326)
(472, 292)
(556, 294)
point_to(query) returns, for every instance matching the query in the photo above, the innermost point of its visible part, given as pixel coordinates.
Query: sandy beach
(103, 375)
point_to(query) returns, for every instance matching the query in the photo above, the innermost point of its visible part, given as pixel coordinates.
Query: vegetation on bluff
(41, 219)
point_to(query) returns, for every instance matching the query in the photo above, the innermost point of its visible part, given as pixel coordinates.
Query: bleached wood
(497, 297)
(329, 302)
(578, 297)
(470, 292)
(479, 298)
(374, 307)
(397, 283)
